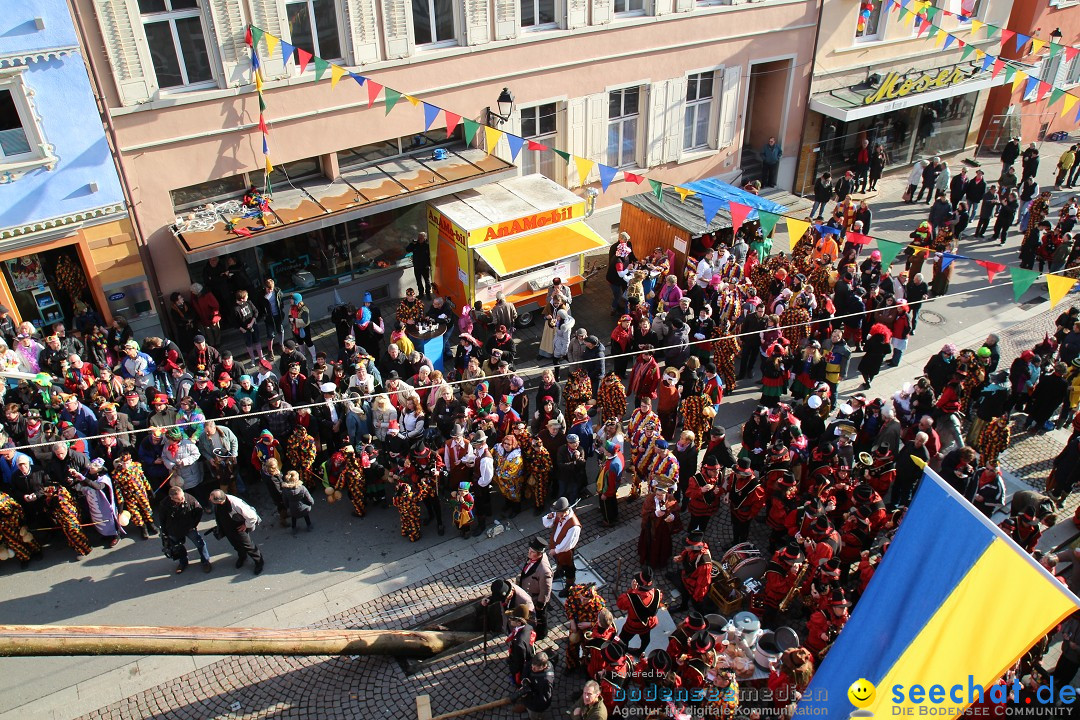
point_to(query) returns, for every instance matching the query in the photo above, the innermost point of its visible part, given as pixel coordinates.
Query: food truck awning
(547, 246)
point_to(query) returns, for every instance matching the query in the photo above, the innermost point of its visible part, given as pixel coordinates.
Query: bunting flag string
(741, 213)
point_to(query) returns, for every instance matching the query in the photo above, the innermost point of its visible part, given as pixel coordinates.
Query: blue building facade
(68, 252)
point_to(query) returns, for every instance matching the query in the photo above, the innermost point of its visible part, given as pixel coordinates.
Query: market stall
(513, 236)
(679, 226)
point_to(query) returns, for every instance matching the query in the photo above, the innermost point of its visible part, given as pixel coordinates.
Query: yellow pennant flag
(258, 81)
(976, 25)
(1037, 45)
(1018, 79)
(919, 462)
(1059, 287)
(269, 165)
(271, 43)
(1067, 102)
(909, 18)
(795, 230)
(939, 39)
(336, 73)
(979, 54)
(492, 137)
(414, 101)
(584, 167)
(683, 193)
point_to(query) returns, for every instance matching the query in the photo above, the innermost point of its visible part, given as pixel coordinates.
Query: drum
(744, 561)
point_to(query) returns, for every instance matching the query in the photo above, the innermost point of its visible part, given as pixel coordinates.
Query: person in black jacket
(521, 639)
(908, 471)
(844, 186)
(535, 692)
(1009, 154)
(823, 193)
(929, 177)
(987, 210)
(940, 367)
(958, 469)
(421, 258)
(1005, 217)
(991, 402)
(957, 187)
(1030, 162)
(974, 191)
(178, 517)
(1048, 394)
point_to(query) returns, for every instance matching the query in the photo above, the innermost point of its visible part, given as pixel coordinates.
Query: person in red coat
(704, 494)
(695, 572)
(824, 625)
(746, 498)
(821, 542)
(596, 639)
(780, 576)
(882, 471)
(645, 375)
(659, 523)
(641, 603)
(679, 638)
(613, 675)
(871, 501)
(783, 500)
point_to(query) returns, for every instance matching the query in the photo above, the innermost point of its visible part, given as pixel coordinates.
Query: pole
(471, 710)
(52, 640)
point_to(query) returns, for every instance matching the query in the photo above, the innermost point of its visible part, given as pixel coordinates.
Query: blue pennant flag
(287, 50)
(948, 257)
(360, 79)
(948, 41)
(515, 144)
(266, 148)
(711, 205)
(607, 174)
(827, 229)
(1032, 83)
(255, 62)
(430, 113)
(1021, 40)
(904, 4)
(988, 61)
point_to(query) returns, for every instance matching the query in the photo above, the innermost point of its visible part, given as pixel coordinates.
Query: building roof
(689, 214)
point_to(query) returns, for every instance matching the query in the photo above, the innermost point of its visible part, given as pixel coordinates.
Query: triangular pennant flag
(269, 165)
(795, 230)
(975, 25)
(922, 25)
(1070, 52)
(563, 154)
(336, 73)
(431, 114)
(262, 125)
(1020, 77)
(258, 82)
(247, 36)
(738, 216)
(271, 43)
(1022, 280)
(266, 147)
(1010, 71)
(287, 50)
(515, 144)
(607, 174)
(987, 61)
(584, 168)
(255, 62)
(949, 38)
(1032, 83)
(948, 257)
(889, 250)
(321, 66)
(904, 3)
(1059, 286)
(452, 120)
(991, 30)
(908, 19)
(1067, 103)
(411, 99)
(1005, 36)
(1037, 44)
(939, 37)
(360, 79)
(491, 138)
(303, 57)
(390, 97)
(998, 65)
(470, 126)
(1054, 49)
(710, 205)
(631, 177)
(931, 11)
(256, 36)
(768, 221)
(262, 103)
(968, 49)
(657, 189)
(827, 230)
(1055, 95)
(533, 145)
(684, 193)
(1021, 40)
(857, 238)
(1044, 87)
(992, 269)
(373, 90)
(931, 30)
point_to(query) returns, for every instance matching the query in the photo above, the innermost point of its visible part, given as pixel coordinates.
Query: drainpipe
(810, 81)
(114, 144)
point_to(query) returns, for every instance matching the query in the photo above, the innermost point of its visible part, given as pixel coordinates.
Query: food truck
(513, 236)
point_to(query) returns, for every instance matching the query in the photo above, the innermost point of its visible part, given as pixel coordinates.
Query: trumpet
(794, 587)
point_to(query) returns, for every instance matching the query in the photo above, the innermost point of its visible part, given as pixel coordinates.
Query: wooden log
(45, 640)
(473, 709)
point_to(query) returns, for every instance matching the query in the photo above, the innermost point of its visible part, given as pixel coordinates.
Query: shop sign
(117, 296)
(446, 228)
(527, 223)
(897, 85)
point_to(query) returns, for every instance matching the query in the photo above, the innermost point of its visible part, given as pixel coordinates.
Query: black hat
(702, 642)
(695, 537)
(660, 660)
(560, 505)
(645, 577)
(538, 544)
(613, 650)
(499, 590)
(695, 621)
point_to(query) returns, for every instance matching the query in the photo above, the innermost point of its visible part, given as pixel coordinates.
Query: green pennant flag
(767, 221)
(564, 155)
(471, 126)
(933, 31)
(262, 104)
(657, 189)
(1009, 72)
(931, 12)
(1022, 280)
(889, 250)
(1055, 95)
(321, 66)
(256, 36)
(991, 30)
(391, 96)
(1054, 49)
(968, 49)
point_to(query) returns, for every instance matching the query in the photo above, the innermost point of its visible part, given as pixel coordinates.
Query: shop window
(699, 96)
(314, 24)
(285, 173)
(371, 152)
(537, 14)
(539, 124)
(227, 188)
(870, 22)
(177, 41)
(433, 22)
(629, 7)
(622, 127)
(963, 8)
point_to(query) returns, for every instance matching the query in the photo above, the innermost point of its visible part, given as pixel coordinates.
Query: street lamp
(506, 107)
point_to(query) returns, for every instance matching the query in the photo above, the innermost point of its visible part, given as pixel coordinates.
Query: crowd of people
(119, 435)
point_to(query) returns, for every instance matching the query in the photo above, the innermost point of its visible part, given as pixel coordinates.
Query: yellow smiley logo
(861, 693)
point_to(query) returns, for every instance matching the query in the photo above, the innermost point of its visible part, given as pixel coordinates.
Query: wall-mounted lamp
(1055, 36)
(506, 108)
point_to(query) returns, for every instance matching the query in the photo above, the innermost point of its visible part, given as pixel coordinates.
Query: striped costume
(993, 440)
(724, 352)
(695, 419)
(407, 502)
(300, 451)
(642, 449)
(352, 478)
(537, 471)
(578, 390)
(65, 514)
(11, 529)
(665, 465)
(583, 605)
(639, 420)
(133, 492)
(611, 398)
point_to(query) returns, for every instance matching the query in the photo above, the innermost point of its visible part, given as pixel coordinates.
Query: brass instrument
(799, 578)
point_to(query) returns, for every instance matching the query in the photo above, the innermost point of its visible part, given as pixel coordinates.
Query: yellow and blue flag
(955, 603)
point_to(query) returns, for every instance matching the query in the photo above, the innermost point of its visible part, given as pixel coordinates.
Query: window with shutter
(362, 30)
(673, 121)
(397, 28)
(654, 143)
(540, 124)
(684, 5)
(623, 124)
(230, 26)
(576, 132)
(538, 14)
(506, 19)
(577, 13)
(601, 11)
(729, 105)
(313, 25)
(477, 22)
(697, 112)
(1072, 76)
(176, 37)
(270, 16)
(596, 118)
(126, 48)
(627, 7)
(433, 23)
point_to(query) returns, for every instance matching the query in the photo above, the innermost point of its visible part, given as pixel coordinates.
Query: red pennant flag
(1006, 36)
(537, 146)
(924, 26)
(262, 125)
(959, 43)
(631, 177)
(452, 120)
(303, 57)
(738, 215)
(992, 268)
(999, 64)
(857, 238)
(373, 90)
(1070, 53)
(247, 36)
(1044, 87)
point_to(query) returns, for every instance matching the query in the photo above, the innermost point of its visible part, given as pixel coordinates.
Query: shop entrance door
(767, 96)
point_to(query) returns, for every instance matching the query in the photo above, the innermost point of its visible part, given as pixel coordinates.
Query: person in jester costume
(351, 477)
(583, 605)
(407, 502)
(463, 513)
(63, 511)
(611, 398)
(133, 493)
(13, 534)
(300, 451)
